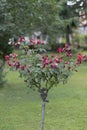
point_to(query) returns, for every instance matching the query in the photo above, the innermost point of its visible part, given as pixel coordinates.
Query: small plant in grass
(42, 72)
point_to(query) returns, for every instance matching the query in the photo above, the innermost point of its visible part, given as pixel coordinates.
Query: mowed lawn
(20, 107)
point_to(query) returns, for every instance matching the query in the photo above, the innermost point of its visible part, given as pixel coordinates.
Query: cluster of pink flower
(53, 61)
(12, 61)
(79, 58)
(7, 57)
(31, 41)
(66, 49)
(20, 40)
(85, 57)
(46, 61)
(35, 42)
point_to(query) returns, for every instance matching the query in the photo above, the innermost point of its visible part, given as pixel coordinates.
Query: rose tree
(43, 72)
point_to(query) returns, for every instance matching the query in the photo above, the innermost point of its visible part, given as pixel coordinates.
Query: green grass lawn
(20, 107)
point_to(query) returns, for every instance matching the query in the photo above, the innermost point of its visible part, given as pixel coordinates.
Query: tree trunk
(43, 114)
(2, 65)
(67, 38)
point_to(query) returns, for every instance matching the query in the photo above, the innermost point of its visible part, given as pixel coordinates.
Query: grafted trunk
(43, 114)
